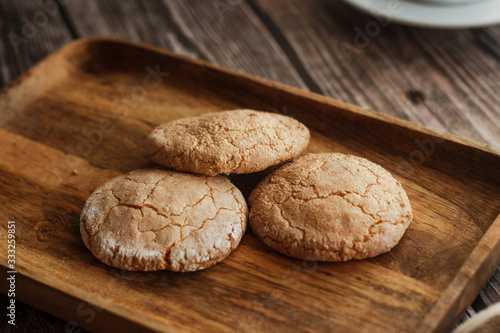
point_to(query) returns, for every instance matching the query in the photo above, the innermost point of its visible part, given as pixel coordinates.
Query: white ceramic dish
(425, 14)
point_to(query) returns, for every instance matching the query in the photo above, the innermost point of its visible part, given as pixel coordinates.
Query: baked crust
(153, 219)
(330, 207)
(237, 141)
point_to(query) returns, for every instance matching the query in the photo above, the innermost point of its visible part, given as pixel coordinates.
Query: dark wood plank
(491, 292)
(231, 36)
(30, 31)
(469, 313)
(443, 79)
(29, 319)
(235, 38)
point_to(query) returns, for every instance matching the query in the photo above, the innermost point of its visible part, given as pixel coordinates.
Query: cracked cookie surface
(153, 219)
(237, 141)
(330, 207)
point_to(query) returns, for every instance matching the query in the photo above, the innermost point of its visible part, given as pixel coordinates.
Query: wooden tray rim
(488, 247)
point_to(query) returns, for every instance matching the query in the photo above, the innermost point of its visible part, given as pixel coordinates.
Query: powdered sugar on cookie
(155, 219)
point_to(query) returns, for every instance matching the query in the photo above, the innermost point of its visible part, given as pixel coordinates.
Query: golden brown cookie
(154, 219)
(330, 207)
(238, 141)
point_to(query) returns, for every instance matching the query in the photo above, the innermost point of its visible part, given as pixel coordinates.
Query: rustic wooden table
(445, 79)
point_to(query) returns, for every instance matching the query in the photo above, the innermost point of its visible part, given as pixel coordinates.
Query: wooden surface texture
(87, 122)
(445, 79)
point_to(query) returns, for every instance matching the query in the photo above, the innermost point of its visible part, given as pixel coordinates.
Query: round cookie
(238, 141)
(154, 219)
(330, 207)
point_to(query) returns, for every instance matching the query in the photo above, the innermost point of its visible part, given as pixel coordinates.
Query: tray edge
(456, 287)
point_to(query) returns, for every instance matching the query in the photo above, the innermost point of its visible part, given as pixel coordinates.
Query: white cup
(445, 2)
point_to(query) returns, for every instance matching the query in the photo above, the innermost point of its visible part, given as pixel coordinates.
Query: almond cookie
(154, 219)
(238, 141)
(330, 207)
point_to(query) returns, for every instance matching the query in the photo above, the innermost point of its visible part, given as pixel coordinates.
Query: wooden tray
(81, 116)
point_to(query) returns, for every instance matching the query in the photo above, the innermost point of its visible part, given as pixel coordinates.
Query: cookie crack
(339, 194)
(135, 181)
(348, 170)
(280, 210)
(343, 194)
(116, 197)
(128, 205)
(169, 249)
(367, 168)
(241, 205)
(210, 193)
(154, 188)
(115, 251)
(156, 152)
(311, 172)
(85, 228)
(375, 215)
(372, 234)
(98, 228)
(213, 131)
(167, 217)
(203, 223)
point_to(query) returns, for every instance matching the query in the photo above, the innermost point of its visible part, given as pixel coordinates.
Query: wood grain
(192, 30)
(458, 93)
(298, 45)
(24, 43)
(423, 284)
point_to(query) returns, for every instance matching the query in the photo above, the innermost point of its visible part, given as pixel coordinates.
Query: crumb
(75, 172)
